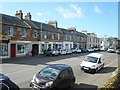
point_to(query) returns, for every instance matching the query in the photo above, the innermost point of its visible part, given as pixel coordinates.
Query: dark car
(50, 52)
(83, 50)
(7, 84)
(53, 76)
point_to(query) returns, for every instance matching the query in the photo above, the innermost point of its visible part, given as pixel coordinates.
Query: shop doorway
(13, 50)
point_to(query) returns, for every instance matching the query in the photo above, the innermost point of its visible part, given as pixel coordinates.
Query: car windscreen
(91, 59)
(49, 73)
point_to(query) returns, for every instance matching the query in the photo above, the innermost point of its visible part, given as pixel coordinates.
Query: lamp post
(40, 48)
(41, 37)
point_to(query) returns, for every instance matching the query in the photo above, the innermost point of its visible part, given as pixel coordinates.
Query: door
(13, 50)
(36, 48)
(63, 80)
(99, 64)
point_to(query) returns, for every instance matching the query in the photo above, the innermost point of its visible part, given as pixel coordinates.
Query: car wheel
(72, 84)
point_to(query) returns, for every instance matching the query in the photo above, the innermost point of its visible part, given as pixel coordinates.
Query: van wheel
(96, 70)
(102, 66)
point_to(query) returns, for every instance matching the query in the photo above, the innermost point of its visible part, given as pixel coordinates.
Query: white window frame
(45, 34)
(10, 31)
(22, 32)
(35, 36)
(58, 36)
(53, 36)
(66, 36)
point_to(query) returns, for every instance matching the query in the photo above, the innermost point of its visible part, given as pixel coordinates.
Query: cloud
(97, 10)
(73, 12)
(39, 13)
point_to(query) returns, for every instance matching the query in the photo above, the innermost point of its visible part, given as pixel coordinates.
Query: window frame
(10, 31)
(34, 34)
(45, 34)
(24, 32)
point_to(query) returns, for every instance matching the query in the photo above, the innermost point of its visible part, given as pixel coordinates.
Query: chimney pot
(19, 14)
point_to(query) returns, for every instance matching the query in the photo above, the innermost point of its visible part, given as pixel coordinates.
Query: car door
(63, 80)
(99, 63)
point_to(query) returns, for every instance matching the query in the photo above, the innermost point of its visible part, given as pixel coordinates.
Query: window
(20, 48)
(64, 73)
(58, 36)
(45, 35)
(66, 37)
(70, 38)
(4, 48)
(23, 32)
(53, 36)
(10, 31)
(35, 34)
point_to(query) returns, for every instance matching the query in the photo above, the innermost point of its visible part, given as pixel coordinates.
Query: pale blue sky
(98, 17)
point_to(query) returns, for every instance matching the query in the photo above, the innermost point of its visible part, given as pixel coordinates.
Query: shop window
(20, 48)
(4, 49)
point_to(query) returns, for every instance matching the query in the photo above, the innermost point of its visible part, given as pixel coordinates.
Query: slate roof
(11, 20)
(65, 31)
(47, 27)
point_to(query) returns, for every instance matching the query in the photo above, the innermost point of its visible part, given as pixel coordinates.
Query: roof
(59, 66)
(65, 31)
(95, 55)
(44, 26)
(11, 20)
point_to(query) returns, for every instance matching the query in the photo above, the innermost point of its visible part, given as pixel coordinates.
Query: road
(21, 70)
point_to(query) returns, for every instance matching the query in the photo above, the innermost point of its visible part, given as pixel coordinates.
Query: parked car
(7, 84)
(96, 48)
(83, 50)
(74, 50)
(111, 50)
(63, 52)
(51, 52)
(53, 76)
(92, 62)
(78, 51)
(118, 51)
(90, 49)
(69, 51)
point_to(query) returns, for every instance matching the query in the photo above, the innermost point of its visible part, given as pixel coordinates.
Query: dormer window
(10, 31)
(23, 32)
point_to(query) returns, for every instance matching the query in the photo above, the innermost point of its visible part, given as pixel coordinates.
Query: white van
(92, 62)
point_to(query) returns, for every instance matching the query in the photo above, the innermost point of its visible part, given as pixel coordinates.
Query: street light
(41, 37)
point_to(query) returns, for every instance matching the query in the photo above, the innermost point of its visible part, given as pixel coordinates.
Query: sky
(96, 17)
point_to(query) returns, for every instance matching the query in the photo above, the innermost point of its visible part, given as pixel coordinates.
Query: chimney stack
(53, 23)
(19, 14)
(72, 28)
(28, 16)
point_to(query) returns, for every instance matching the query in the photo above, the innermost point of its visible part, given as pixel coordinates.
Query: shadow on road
(107, 70)
(82, 86)
(35, 60)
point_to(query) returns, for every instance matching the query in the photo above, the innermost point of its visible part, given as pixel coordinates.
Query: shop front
(4, 47)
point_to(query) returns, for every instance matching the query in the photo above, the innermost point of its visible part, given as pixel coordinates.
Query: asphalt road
(22, 69)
